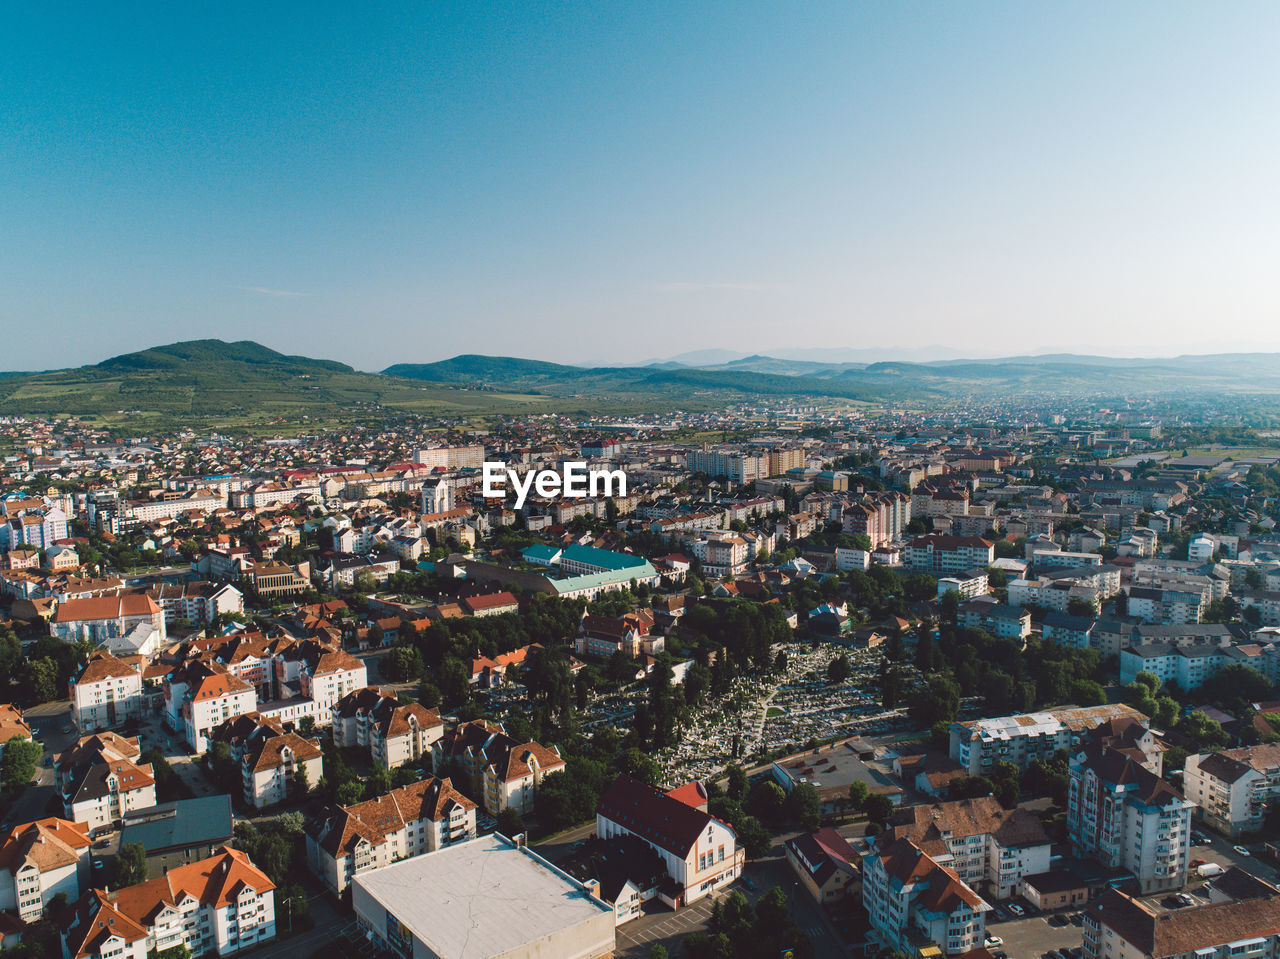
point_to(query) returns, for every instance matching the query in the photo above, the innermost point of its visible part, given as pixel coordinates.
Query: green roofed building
(572, 573)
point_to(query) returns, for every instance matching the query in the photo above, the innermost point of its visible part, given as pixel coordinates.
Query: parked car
(1016, 909)
(1240, 850)
(993, 941)
(1197, 862)
(1077, 919)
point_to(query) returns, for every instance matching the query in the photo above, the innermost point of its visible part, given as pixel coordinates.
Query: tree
(937, 701)
(350, 793)
(510, 822)
(878, 808)
(428, 694)
(858, 793)
(307, 725)
(658, 951)
(838, 669)
(803, 806)
(131, 864)
(301, 781)
(19, 763)
(766, 799)
(736, 787)
(39, 680)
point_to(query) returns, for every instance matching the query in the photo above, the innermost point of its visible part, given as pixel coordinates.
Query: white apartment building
(1170, 607)
(1232, 789)
(1126, 817)
(100, 791)
(219, 906)
(988, 847)
(506, 774)
(394, 734)
(174, 504)
(913, 902)
(948, 554)
(101, 619)
(107, 692)
(979, 744)
(410, 821)
(737, 467)
(39, 860)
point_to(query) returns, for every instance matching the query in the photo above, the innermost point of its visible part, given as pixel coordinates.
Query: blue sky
(604, 182)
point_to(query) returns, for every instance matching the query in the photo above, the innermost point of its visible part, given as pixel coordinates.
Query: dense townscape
(811, 678)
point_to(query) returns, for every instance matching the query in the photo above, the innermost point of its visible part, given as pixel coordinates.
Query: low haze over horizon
(594, 184)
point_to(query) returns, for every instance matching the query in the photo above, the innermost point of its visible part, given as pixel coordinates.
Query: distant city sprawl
(992, 676)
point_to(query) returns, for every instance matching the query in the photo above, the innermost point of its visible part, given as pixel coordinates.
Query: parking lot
(1032, 936)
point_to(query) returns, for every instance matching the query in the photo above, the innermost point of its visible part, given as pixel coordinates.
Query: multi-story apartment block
(737, 467)
(210, 695)
(948, 554)
(965, 585)
(410, 821)
(394, 733)
(988, 847)
(100, 780)
(274, 762)
(108, 691)
(39, 528)
(719, 553)
(988, 613)
(1167, 606)
(451, 457)
(220, 905)
(1233, 789)
(286, 679)
(99, 619)
(700, 852)
(1119, 926)
(914, 903)
(1126, 817)
(504, 773)
(197, 602)
(1187, 665)
(979, 744)
(40, 860)
(173, 503)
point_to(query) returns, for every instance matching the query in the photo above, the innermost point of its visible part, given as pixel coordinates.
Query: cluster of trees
(41, 674)
(971, 662)
(277, 847)
(739, 931)
(438, 656)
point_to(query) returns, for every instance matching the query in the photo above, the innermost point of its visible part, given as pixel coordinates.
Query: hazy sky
(607, 182)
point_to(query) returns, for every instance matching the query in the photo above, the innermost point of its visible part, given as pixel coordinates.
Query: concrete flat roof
(484, 897)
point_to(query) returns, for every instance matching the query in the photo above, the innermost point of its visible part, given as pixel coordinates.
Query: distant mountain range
(247, 381)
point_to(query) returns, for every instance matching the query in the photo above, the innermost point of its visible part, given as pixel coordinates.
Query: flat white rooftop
(486, 897)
